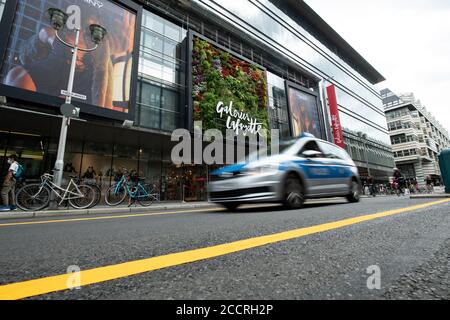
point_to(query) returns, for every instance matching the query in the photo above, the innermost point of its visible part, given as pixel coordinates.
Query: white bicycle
(37, 196)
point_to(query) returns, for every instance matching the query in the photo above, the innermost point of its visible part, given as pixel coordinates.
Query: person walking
(15, 172)
(370, 183)
(429, 184)
(399, 182)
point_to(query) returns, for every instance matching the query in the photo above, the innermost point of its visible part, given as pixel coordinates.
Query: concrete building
(416, 136)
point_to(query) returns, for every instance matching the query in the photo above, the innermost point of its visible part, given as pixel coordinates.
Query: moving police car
(305, 168)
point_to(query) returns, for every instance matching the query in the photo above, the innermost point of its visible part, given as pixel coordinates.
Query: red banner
(335, 121)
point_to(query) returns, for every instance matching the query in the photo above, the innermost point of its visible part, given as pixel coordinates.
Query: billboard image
(228, 92)
(36, 61)
(304, 113)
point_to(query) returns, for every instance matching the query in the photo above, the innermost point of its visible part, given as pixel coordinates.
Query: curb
(106, 210)
(430, 196)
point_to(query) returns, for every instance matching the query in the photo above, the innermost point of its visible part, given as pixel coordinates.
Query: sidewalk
(123, 209)
(439, 193)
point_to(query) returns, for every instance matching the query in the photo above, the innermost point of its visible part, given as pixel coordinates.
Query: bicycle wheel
(86, 200)
(115, 195)
(98, 194)
(145, 195)
(32, 197)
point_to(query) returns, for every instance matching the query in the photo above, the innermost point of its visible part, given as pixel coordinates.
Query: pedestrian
(399, 182)
(429, 183)
(15, 173)
(89, 176)
(371, 186)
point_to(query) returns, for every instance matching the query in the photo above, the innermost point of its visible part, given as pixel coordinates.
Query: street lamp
(58, 19)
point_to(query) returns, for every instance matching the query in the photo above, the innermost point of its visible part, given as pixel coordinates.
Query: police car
(305, 168)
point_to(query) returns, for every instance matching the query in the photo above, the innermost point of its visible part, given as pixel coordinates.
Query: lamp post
(58, 19)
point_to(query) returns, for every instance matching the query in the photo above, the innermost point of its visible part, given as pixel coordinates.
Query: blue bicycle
(136, 191)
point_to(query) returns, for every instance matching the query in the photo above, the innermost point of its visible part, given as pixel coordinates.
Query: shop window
(29, 148)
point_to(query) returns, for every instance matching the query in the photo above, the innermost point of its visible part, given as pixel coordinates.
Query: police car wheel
(294, 194)
(230, 206)
(354, 192)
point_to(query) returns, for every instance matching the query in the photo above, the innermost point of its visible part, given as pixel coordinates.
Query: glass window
(150, 95)
(154, 42)
(150, 117)
(99, 157)
(310, 146)
(159, 67)
(170, 99)
(153, 22)
(278, 113)
(172, 31)
(170, 49)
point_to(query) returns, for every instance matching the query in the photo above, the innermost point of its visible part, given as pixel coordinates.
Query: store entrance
(195, 182)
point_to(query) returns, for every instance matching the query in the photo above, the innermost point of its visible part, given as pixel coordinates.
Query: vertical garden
(219, 76)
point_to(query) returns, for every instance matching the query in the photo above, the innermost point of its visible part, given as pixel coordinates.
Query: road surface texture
(410, 248)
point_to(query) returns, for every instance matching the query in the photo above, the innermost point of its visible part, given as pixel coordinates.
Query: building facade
(159, 87)
(417, 137)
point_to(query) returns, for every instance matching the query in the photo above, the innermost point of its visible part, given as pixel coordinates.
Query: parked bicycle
(37, 196)
(93, 185)
(135, 189)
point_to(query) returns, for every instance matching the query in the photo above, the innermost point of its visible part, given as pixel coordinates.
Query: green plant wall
(219, 76)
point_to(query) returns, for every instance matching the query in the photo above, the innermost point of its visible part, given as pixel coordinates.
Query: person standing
(89, 176)
(9, 183)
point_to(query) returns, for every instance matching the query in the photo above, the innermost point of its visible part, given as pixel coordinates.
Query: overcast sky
(407, 41)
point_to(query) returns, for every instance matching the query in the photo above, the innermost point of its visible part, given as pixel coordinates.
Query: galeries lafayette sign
(239, 121)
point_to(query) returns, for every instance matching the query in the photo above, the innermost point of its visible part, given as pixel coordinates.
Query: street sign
(70, 111)
(74, 95)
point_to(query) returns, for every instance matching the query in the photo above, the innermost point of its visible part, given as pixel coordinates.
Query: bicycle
(37, 196)
(94, 186)
(399, 186)
(142, 193)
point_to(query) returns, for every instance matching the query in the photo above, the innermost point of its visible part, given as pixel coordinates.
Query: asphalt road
(411, 249)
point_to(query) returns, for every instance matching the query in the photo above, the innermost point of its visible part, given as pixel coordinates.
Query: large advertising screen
(228, 92)
(36, 61)
(304, 112)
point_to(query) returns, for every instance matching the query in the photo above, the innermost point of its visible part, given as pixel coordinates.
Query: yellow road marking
(107, 217)
(47, 285)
